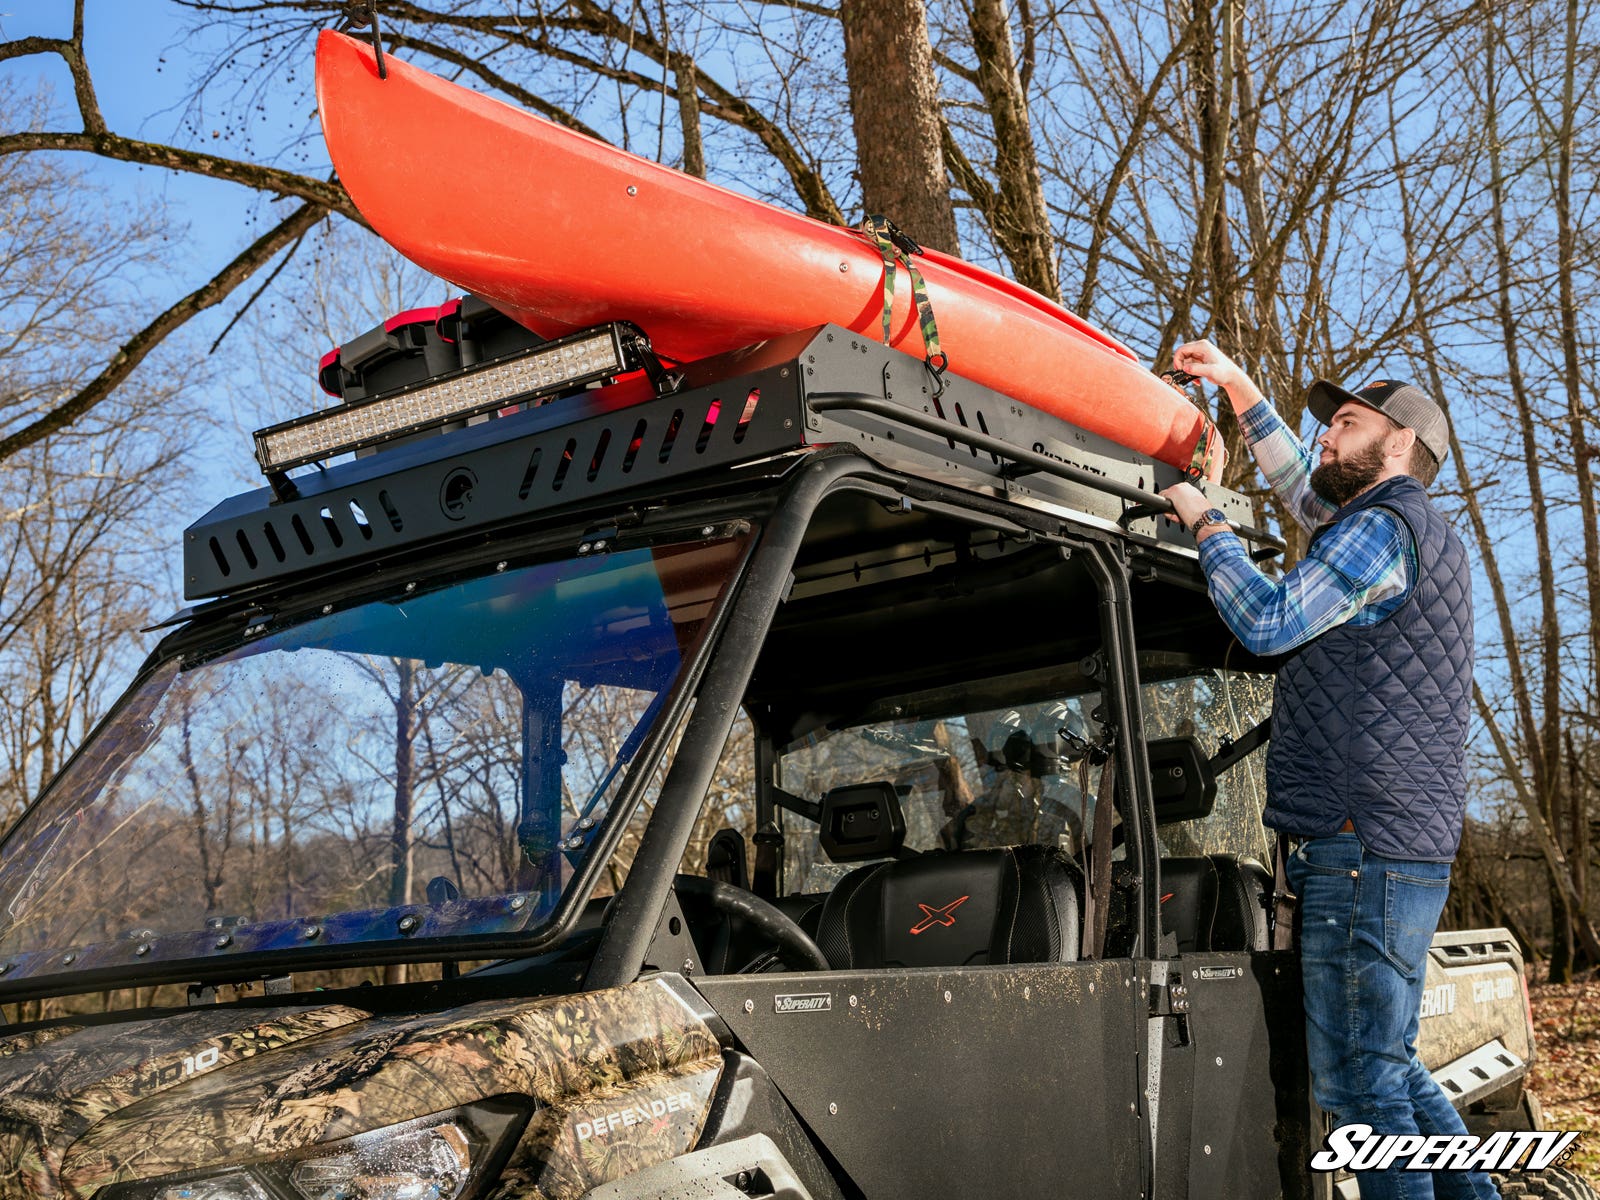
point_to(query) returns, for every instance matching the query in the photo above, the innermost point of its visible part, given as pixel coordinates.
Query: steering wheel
(794, 944)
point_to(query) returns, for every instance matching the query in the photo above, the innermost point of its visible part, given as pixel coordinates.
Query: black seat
(1214, 902)
(960, 908)
(1243, 886)
(1189, 902)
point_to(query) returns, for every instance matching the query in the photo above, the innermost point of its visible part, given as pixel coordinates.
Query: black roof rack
(813, 387)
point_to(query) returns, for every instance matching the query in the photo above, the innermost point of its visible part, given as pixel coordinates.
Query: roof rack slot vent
(360, 515)
(564, 465)
(391, 512)
(938, 410)
(272, 540)
(528, 475)
(962, 417)
(633, 446)
(671, 435)
(332, 527)
(983, 426)
(599, 454)
(249, 551)
(743, 427)
(712, 413)
(222, 559)
(300, 532)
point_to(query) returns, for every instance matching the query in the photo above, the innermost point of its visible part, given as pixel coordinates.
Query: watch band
(1212, 516)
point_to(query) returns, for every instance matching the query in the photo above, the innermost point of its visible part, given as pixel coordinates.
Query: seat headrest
(861, 821)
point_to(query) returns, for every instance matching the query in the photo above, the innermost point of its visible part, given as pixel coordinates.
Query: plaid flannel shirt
(1360, 570)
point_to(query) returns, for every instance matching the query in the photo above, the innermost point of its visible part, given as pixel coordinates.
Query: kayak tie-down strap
(361, 14)
(1209, 444)
(896, 247)
(1206, 449)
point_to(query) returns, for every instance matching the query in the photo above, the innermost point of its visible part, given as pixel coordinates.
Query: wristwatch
(1211, 516)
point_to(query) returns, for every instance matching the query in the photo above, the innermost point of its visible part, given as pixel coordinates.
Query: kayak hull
(561, 232)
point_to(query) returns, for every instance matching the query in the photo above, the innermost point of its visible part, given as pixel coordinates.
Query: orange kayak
(561, 232)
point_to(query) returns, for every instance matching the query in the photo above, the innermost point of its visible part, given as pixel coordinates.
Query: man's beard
(1342, 480)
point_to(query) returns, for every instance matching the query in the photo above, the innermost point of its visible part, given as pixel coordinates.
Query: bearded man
(1366, 772)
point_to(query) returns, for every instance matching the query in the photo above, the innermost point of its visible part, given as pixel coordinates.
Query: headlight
(425, 1164)
(446, 1156)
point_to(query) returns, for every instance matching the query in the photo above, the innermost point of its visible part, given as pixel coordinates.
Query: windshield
(966, 780)
(1007, 776)
(1215, 707)
(427, 765)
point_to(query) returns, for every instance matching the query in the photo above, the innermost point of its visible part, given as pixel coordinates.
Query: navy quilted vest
(1369, 723)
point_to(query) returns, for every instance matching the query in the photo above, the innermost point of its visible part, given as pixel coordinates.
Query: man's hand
(1189, 503)
(1205, 361)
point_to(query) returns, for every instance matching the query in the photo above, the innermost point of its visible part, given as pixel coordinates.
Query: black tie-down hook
(363, 14)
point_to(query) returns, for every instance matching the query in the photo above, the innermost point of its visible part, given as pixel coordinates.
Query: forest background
(1327, 190)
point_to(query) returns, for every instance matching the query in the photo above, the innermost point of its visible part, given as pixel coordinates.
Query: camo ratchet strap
(895, 246)
(1209, 444)
(1206, 449)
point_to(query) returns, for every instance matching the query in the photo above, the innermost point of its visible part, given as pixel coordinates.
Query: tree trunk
(894, 101)
(1019, 219)
(401, 842)
(1546, 770)
(1577, 432)
(694, 148)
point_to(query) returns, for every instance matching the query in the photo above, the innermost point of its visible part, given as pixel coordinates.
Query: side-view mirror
(1181, 779)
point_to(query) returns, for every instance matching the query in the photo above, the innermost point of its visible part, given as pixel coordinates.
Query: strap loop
(1206, 449)
(1209, 444)
(896, 247)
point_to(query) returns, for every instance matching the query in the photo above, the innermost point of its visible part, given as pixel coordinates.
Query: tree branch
(1560, 871)
(134, 351)
(329, 196)
(88, 104)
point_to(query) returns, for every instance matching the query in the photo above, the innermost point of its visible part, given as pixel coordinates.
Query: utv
(797, 774)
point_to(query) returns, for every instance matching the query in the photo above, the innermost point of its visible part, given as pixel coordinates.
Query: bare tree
(894, 100)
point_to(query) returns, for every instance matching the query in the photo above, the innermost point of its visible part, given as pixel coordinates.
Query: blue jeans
(1365, 925)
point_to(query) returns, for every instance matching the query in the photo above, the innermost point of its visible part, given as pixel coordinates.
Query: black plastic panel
(563, 454)
(746, 1103)
(991, 1082)
(1249, 1088)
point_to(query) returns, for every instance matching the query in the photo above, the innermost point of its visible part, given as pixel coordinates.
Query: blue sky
(145, 66)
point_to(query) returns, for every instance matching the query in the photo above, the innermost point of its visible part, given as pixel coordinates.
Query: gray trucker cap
(1404, 403)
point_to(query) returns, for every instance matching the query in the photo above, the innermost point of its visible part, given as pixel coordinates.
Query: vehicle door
(1229, 1097)
(947, 1080)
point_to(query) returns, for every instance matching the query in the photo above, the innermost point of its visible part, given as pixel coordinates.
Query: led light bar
(553, 366)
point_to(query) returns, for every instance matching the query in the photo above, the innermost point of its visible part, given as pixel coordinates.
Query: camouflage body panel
(57, 1083)
(570, 1055)
(611, 1132)
(1465, 1006)
(636, 1050)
